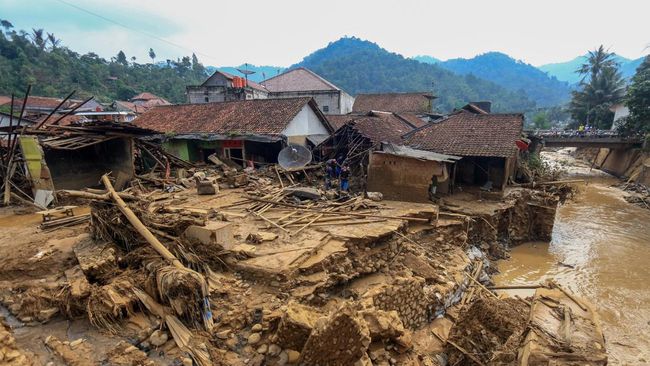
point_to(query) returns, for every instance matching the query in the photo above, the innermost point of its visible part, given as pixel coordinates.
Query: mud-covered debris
(341, 339)
(295, 325)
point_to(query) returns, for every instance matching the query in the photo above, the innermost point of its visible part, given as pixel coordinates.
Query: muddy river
(599, 249)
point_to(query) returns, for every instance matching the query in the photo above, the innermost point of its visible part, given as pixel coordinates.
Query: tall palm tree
(604, 88)
(597, 60)
(152, 55)
(38, 38)
(54, 42)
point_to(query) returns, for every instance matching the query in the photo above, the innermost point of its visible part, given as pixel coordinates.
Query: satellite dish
(294, 157)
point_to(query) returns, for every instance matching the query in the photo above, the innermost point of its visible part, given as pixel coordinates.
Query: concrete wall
(216, 93)
(402, 178)
(305, 123)
(347, 101)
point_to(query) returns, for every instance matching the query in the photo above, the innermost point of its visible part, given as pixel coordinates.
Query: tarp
(401, 150)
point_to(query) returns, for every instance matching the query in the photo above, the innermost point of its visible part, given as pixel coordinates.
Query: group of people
(337, 169)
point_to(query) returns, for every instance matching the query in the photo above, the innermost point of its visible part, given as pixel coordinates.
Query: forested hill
(566, 71)
(56, 71)
(513, 75)
(359, 66)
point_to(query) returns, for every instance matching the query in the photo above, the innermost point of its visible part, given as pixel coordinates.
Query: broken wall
(404, 179)
(82, 168)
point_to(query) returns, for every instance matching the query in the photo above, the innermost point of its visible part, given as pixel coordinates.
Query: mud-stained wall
(630, 163)
(404, 179)
(82, 168)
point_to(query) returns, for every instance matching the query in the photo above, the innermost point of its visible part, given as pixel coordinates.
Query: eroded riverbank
(599, 249)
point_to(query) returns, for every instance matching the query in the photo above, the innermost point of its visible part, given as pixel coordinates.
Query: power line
(135, 29)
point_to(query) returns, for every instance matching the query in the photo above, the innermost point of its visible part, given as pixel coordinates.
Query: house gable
(305, 123)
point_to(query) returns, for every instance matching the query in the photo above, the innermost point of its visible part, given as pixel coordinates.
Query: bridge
(596, 139)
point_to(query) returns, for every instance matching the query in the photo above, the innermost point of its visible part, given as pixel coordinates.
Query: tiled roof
(339, 120)
(412, 119)
(471, 107)
(246, 117)
(145, 96)
(300, 79)
(43, 102)
(469, 134)
(136, 108)
(381, 127)
(393, 102)
(5, 100)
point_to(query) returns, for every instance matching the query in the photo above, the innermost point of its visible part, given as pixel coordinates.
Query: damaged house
(225, 87)
(487, 143)
(250, 130)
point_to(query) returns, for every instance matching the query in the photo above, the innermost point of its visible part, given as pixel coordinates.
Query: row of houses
(377, 134)
(394, 143)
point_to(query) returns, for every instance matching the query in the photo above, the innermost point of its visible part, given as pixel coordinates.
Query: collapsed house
(487, 143)
(242, 131)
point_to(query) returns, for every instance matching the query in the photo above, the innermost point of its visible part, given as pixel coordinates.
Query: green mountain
(513, 75)
(261, 72)
(360, 66)
(566, 71)
(56, 71)
(426, 59)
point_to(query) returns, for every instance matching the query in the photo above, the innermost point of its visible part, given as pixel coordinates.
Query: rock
(76, 342)
(254, 338)
(224, 334)
(213, 233)
(261, 236)
(187, 361)
(262, 349)
(383, 324)
(274, 350)
(283, 358)
(257, 328)
(375, 196)
(304, 192)
(158, 338)
(292, 356)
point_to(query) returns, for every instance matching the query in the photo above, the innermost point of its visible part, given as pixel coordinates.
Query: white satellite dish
(294, 157)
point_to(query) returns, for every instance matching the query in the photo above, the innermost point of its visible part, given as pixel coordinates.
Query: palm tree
(38, 38)
(54, 42)
(152, 55)
(604, 88)
(597, 60)
(6, 25)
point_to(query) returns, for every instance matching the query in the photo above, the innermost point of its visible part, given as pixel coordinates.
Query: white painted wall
(305, 123)
(347, 101)
(620, 111)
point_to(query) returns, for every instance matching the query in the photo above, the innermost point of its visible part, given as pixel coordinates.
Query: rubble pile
(265, 270)
(639, 194)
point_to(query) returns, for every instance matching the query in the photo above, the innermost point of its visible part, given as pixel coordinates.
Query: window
(207, 100)
(326, 108)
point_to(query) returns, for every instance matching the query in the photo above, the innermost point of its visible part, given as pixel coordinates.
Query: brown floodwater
(600, 249)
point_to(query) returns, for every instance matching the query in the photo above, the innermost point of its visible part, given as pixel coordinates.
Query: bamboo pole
(139, 226)
(418, 219)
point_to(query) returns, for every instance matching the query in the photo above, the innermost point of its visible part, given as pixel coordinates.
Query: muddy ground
(387, 288)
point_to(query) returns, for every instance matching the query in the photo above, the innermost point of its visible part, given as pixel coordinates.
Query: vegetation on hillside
(359, 66)
(601, 87)
(513, 75)
(37, 58)
(638, 102)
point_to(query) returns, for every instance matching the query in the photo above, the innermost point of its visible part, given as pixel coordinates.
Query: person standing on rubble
(331, 167)
(344, 178)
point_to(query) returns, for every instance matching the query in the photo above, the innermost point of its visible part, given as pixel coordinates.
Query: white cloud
(281, 32)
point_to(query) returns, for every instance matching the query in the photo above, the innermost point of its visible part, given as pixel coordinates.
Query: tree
(6, 25)
(597, 60)
(54, 42)
(601, 87)
(541, 121)
(638, 102)
(152, 55)
(121, 58)
(38, 38)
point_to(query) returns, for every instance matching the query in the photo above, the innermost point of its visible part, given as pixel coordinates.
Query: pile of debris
(639, 194)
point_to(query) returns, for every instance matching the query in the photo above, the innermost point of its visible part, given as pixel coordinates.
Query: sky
(282, 32)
